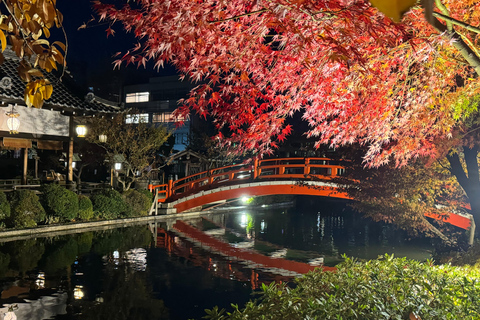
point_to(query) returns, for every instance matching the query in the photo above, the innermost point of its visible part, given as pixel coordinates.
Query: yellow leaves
(36, 92)
(3, 39)
(393, 9)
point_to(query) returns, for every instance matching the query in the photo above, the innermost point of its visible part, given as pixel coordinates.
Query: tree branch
(467, 53)
(239, 16)
(456, 22)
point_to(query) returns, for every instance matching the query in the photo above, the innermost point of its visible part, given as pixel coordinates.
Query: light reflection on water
(155, 273)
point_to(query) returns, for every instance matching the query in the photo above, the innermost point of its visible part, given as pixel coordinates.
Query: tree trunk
(469, 180)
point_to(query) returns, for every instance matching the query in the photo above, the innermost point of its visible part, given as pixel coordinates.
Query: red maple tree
(356, 76)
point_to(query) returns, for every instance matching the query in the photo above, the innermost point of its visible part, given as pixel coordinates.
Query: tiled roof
(61, 99)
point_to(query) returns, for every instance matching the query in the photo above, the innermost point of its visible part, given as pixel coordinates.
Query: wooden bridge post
(256, 169)
(306, 169)
(170, 186)
(210, 178)
(334, 171)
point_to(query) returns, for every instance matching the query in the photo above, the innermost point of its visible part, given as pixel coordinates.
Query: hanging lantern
(13, 123)
(81, 131)
(102, 138)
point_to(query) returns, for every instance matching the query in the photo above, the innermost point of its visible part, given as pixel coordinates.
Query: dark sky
(90, 52)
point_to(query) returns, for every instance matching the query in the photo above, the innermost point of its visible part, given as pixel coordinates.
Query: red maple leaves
(355, 75)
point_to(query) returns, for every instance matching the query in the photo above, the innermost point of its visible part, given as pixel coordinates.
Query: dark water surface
(155, 272)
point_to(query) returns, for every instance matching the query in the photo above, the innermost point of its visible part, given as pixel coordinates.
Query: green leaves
(388, 288)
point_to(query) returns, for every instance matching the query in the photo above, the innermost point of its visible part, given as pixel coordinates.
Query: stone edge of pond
(60, 229)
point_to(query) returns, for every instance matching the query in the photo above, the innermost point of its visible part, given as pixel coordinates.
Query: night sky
(90, 52)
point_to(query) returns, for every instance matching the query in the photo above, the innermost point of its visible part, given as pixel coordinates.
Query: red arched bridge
(298, 176)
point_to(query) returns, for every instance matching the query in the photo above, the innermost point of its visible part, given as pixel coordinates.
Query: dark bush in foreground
(26, 210)
(109, 204)
(4, 207)
(138, 202)
(85, 208)
(378, 289)
(59, 203)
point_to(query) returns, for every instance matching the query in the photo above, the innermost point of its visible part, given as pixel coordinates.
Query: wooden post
(25, 165)
(306, 169)
(471, 237)
(170, 187)
(256, 169)
(36, 167)
(70, 151)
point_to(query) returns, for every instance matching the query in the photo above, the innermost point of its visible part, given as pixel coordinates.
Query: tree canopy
(135, 143)
(356, 75)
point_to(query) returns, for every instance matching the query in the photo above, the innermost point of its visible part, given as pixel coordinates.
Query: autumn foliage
(354, 74)
(25, 26)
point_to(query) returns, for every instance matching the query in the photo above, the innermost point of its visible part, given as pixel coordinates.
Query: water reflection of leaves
(61, 256)
(26, 254)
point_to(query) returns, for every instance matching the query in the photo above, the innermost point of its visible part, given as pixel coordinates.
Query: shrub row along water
(56, 204)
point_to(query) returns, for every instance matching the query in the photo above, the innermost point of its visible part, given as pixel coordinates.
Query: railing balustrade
(280, 168)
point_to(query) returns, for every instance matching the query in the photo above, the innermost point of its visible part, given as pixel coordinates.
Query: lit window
(137, 97)
(166, 117)
(137, 118)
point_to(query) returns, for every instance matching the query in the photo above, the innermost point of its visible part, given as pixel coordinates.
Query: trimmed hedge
(85, 208)
(139, 203)
(4, 207)
(26, 210)
(109, 204)
(59, 202)
(377, 289)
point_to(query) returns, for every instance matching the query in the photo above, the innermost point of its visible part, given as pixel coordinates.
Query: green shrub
(26, 210)
(4, 207)
(59, 203)
(138, 202)
(109, 204)
(85, 208)
(146, 192)
(377, 289)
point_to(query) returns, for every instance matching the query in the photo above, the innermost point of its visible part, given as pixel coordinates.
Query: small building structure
(50, 128)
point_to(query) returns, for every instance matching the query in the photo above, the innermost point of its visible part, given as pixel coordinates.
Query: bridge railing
(297, 168)
(279, 168)
(212, 177)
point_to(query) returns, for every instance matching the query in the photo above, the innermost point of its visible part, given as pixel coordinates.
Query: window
(136, 118)
(137, 97)
(181, 138)
(166, 117)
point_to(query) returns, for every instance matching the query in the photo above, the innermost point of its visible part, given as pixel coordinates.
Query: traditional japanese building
(52, 127)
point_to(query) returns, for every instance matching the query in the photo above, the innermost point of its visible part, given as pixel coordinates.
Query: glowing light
(118, 166)
(243, 220)
(78, 292)
(102, 138)
(81, 131)
(245, 199)
(13, 123)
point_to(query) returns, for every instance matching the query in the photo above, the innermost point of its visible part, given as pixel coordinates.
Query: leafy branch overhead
(354, 74)
(25, 25)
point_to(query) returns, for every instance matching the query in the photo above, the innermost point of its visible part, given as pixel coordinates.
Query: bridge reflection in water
(233, 263)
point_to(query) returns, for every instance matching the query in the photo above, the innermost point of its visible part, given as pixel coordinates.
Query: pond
(176, 269)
